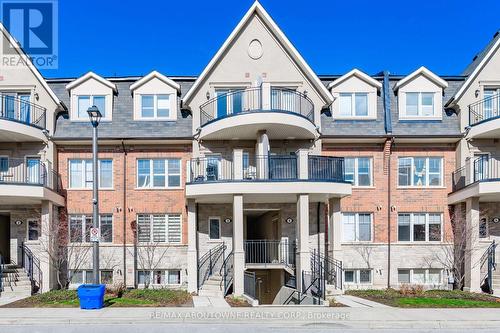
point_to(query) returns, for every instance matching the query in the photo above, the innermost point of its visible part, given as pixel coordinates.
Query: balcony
(484, 118)
(28, 181)
(241, 114)
(21, 120)
(262, 178)
(479, 177)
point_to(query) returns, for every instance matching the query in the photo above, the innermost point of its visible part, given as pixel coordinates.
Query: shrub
(117, 289)
(411, 289)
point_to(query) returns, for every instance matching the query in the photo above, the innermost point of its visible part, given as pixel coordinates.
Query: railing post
(302, 164)
(210, 261)
(237, 164)
(266, 95)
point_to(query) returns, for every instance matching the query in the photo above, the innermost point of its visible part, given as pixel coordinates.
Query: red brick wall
(137, 200)
(375, 200)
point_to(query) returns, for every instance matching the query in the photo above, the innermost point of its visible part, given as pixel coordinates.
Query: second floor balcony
(479, 177)
(484, 118)
(265, 176)
(240, 114)
(28, 181)
(20, 119)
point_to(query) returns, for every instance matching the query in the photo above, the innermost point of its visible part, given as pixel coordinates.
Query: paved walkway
(358, 302)
(9, 299)
(209, 302)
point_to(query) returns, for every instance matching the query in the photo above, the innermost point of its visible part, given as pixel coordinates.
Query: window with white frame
(420, 227)
(159, 228)
(159, 277)
(80, 174)
(353, 105)
(358, 171)
(33, 229)
(214, 231)
(159, 173)
(79, 228)
(423, 276)
(80, 276)
(420, 171)
(84, 102)
(156, 106)
(358, 276)
(357, 227)
(419, 105)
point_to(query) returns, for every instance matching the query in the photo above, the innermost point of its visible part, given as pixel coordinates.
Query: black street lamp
(95, 116)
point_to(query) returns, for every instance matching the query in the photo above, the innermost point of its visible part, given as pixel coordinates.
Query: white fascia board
(359, 74)
(425, 72)
(91, 75)
(159, 76)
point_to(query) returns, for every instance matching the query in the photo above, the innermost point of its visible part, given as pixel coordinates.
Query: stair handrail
(31, 265)
(332, 268)
(489, 259)
(1, 273)
(208, 262)
(227, 273)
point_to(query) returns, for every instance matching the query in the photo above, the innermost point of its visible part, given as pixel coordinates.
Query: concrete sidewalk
(358, 302)
(283, 316)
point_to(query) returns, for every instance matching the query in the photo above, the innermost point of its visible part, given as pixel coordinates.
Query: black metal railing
(249, 284)
(332, 268)
(20, 109)
(210, 262)
(253, 100)
(484, 168)
(485, 109)
(31, 265)
(29, 172)
(227, 273)
(488, 260)
(271, 167)
(211, 169)
(326, 168)
(269, 252)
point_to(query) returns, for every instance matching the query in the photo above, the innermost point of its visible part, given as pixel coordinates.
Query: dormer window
(86, 101)
(354, 104)
(419, 104)
(155, 106)
(155, 98)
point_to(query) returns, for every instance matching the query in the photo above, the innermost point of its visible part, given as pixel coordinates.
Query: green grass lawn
(429, 299)
(130, 298)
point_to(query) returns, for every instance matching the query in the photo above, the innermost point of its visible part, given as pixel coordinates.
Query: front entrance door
(5, 237)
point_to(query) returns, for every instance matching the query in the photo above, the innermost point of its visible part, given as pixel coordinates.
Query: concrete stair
(212, 287)
(16, 283)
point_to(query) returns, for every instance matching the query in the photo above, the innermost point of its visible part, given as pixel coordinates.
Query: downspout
(388, 131)
(124, 210)
(318, 225)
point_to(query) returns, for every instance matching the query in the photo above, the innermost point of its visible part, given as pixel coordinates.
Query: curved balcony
(268, 178)
(20, 119)
(484, 118)
(28, 181)
(241, 114)
(479, 177)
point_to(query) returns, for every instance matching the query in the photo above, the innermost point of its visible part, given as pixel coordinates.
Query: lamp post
(95, 117)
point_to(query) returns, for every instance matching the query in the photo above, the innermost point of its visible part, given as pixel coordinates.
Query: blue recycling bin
(91, 296)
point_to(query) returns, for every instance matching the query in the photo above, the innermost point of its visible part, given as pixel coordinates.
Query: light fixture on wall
(289, 220)
(18, 222)
(227, 220)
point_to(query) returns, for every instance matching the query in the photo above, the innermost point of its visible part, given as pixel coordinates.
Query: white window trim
(356, 228)
(151, 174)
(357, 273)
(436, 114)
(84, 221)
(369, 112)
(356, 171)
(426, 227)
(84, 276)
(82, 187)
(220, 231)
(412, 180)
(172, 98)
(151, 228)
(151, 279)
(108, 105)
(426, 283)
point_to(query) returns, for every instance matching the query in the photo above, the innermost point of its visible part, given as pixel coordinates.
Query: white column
(238, 164)
(335, 229)
(303, 163)
(266, 95)
(472, 251)
(303, 260)
(239, 254)
(47, 240)
(192, 252)
(262, 150)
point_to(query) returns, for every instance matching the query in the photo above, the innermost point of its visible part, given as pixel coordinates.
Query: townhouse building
(257, 177)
